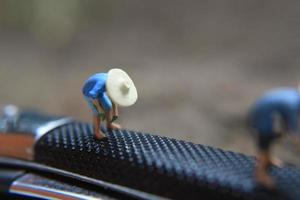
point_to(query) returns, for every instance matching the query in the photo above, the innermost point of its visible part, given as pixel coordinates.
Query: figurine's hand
(114, 118)
(277, 162)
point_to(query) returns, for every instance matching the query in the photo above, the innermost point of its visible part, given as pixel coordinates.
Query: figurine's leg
(261, 173)
(274, 160)
(97, 120)
(97, 130)
(263, 163)
(110, 125)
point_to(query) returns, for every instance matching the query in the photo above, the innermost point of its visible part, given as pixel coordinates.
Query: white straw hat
(121, 88)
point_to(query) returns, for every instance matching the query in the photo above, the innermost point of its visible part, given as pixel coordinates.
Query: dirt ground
(198, 67)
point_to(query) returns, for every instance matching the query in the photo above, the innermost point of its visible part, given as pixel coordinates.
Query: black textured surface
(159, 165)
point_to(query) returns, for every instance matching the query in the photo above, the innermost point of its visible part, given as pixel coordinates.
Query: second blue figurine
(274, 114)
(104, 92)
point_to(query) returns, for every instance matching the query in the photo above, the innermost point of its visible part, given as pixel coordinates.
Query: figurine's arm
(105, 101)
(95, 91)
(293, 121)
(115, 110)
(277, 123)
(295, 138)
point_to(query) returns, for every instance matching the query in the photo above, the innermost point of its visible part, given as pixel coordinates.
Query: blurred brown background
(198, 65)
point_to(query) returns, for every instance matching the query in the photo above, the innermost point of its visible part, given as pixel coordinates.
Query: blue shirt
(95, 87)
(282, 101)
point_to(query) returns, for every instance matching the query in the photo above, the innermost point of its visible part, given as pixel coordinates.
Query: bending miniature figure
(104, 92)
(274, 114)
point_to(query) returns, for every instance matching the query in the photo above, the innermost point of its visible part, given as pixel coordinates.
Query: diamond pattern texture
(159, 165)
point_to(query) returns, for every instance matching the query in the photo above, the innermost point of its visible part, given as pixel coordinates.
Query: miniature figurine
(275, 113)
(104, 92)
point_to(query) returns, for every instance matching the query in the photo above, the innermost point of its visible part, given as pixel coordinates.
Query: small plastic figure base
(104, 92)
